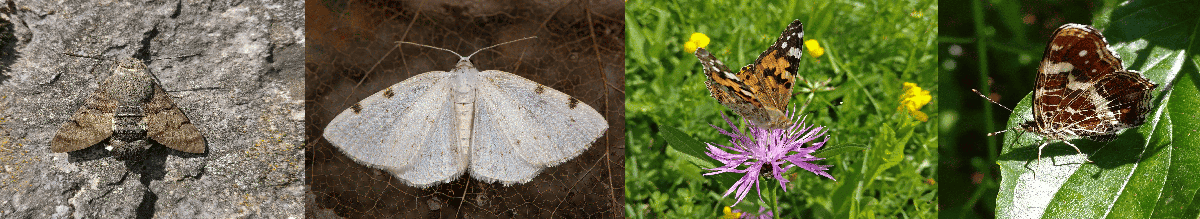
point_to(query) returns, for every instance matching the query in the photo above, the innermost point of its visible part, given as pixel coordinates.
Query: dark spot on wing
(357, 108)
(540, 89)
(388, 93)
(572, 102)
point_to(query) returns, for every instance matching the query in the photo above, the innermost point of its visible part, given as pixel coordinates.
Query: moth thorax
(465, 79)
(130, 88)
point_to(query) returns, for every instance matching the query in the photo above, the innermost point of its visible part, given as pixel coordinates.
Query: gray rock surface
(243, 89)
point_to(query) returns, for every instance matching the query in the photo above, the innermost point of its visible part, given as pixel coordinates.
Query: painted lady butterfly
(760, 91)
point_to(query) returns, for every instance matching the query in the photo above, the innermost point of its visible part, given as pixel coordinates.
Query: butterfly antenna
(993, 101)
(485, 48)
(432, 47)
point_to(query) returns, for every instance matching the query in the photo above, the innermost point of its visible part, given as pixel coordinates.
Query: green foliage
(884, 161)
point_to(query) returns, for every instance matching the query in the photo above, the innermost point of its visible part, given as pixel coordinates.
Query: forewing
(405, 129)
(91, 124)
(166, 124)
(724, 85)
(522, 126)
(773, 73)
(729, 90)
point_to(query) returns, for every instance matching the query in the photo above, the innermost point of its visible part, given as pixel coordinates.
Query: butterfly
(760, 91)
(1083, 90)
(430, 128)
(128, 109)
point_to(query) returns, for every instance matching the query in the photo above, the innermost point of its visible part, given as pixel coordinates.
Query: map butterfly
(760, 91)
(1083, 90)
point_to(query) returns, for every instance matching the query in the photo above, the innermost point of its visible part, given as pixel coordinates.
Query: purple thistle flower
(766, 150)
(763, 213)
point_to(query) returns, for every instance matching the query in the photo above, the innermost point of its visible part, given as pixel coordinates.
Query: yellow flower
(729, 214)
(697, 40)
(913, 99)
(814, 48)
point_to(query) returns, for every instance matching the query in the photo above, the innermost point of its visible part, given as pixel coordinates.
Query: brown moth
(128, 109)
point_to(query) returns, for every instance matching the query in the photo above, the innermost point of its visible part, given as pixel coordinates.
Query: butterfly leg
(1039, 158)
(1085, 156)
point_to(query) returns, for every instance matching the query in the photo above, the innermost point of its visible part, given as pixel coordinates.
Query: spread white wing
(405, 129)
(522, 127)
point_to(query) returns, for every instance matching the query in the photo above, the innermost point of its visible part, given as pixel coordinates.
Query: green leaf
(687, 148)
(888, 151)
(1148, 171)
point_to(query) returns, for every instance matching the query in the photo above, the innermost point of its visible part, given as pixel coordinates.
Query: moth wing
(166, 124)
(406, 129)
(522, 127)
(91, 124)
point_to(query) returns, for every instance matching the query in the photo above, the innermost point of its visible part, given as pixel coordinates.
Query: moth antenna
(493, 46)
(993, 101)
(182, 56)
(432, 47)
(86, 56)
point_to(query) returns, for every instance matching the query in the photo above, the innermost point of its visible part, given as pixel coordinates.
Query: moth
(130, 110)
(759, 91)
(433, 127)
(1083, 91)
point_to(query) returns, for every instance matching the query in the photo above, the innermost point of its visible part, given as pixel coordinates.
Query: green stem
(774, 202)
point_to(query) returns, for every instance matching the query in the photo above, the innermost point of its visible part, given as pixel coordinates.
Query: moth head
(130, 64)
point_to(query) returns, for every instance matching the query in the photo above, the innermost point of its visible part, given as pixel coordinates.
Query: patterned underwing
(129, 109)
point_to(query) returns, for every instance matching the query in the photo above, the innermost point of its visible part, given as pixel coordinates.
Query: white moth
(430, 128)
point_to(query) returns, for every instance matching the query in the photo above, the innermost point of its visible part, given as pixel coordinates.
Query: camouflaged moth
(129, 110)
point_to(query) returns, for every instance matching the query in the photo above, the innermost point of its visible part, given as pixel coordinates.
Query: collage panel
(833, 116)
(1070, 109)
(446, 126)
(151, 109)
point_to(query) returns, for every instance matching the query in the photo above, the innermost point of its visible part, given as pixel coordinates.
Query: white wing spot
(784, 45)
(1082, 53)
(794, 52)
(1076, 84)
(1055, 68)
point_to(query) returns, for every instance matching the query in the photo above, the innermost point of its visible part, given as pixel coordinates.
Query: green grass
(871, 48)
